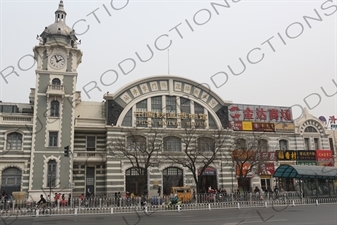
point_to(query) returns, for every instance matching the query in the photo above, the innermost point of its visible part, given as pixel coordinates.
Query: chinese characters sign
(286, 155)
(306, 155)
(240, 112)
(266, 127)
(306, 163)
(265, 156)
(200, 119)
(323, 155)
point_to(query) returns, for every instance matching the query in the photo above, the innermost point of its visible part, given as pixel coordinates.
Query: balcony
(55, 90)
(12, 119)
(89, 157)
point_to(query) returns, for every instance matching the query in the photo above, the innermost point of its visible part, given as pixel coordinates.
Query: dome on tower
(59, 27)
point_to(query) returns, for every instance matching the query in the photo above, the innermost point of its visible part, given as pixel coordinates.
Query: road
(298, 215)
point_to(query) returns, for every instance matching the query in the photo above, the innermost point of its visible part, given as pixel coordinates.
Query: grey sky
(283, 77)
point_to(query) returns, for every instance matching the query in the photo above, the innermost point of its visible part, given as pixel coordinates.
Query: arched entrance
(172, 177)
(207, 179)
(11, 180)
(136, 181)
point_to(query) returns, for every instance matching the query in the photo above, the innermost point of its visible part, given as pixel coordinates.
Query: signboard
(286, 154)
(247, 125)
(235, 125)
(266, 169)
(333, 126)
(324, 155)
(285, 127)
(208, 171)
(241, 125)
(266, 127)
(257, 113)
(265, 156)
(306, 163)
(306, 155)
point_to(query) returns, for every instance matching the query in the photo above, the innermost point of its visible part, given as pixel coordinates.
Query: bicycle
(45, 211)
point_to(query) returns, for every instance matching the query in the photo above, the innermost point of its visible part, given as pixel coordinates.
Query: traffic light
(159, 190)
(66, 151)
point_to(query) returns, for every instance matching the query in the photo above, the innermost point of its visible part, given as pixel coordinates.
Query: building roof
(306, 172)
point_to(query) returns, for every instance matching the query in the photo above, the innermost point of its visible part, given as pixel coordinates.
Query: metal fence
(111, 205)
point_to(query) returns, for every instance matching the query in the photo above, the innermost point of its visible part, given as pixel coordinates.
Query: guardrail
(104, 209)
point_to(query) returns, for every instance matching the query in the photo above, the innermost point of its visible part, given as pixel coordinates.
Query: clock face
(57, 61)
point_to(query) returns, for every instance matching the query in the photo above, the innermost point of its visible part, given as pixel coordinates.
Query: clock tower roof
(59, 27)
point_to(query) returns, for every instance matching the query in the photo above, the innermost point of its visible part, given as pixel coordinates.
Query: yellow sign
(285, 127)
(247, 126)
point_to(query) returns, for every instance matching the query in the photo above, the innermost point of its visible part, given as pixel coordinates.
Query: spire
(60, 14)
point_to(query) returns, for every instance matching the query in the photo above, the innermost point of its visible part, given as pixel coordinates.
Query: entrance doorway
(172, 177)
(11, 180)
(207, 179)
(90, 181)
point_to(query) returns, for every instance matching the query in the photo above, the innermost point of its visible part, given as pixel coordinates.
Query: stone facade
(33, 136)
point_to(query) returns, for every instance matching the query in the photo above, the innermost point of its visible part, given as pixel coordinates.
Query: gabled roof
(306, 172)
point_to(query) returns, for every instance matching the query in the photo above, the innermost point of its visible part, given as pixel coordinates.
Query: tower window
(54, 108)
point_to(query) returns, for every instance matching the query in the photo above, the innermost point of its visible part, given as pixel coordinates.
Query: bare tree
(200, 149)
(140, 147)
(248, 155)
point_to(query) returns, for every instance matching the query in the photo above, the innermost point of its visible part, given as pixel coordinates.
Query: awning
(306, 172)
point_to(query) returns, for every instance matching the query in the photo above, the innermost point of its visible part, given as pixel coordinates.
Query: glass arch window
(172, 144)
(136, 143)
(206, 144)
(56, 81)
(241, 144)
(283, 144)
(263, 145)
(14, 141)
(310, 129)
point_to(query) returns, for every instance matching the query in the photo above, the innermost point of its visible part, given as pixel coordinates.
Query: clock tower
(55, 99)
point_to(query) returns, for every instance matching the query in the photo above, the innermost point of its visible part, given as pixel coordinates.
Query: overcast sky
(287, 56)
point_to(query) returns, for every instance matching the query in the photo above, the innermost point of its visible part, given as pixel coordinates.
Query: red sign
(324, 155)
(266, 169)
(265, 156)
(267, 127)
(240, 112)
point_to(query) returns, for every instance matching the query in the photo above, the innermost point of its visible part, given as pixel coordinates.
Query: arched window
(56, 81)
(310, 129)
(206, 144)
(136, 143)
(262, 145)
(11, 180)
(136, 181)
(14, 141)
(172, 177)
(54, 108)
(283, 144)
(241, 144)
(52, 165)
(172, 144)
